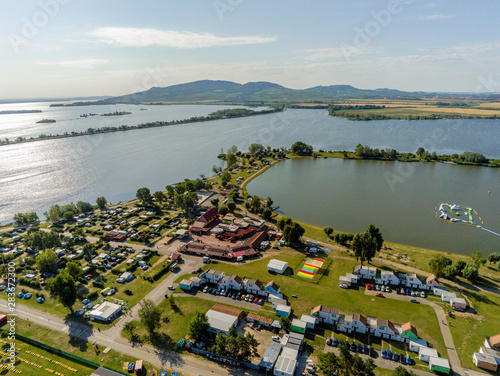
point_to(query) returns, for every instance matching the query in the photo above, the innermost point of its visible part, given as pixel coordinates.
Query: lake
(400, 198)
(35, 175)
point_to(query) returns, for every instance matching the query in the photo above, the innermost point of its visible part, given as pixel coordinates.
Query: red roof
(209, 216)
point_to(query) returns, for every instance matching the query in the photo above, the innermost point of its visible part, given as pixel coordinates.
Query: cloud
(81, 63)
(123, 36)
(338, 52)
(433, 17)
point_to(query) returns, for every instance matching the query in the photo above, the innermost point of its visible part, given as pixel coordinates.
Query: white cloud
(81, 63)
(123, 36)
(338, 52)
(433, 17)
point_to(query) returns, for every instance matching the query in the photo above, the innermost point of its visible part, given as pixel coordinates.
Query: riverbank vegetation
(217, 115)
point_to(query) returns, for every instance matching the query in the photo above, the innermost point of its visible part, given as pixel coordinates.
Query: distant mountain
(257, 92)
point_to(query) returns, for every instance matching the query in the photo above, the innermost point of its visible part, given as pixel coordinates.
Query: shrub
(93, 295)
(29, 282)
(98, 284)
(128, 292)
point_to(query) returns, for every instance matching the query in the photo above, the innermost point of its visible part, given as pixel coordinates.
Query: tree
(171, 301)
(498, 265)
(231, 160)
(267, 213)
(186, 202)
(451, 271)
(494, 257)
(478, 259)
(55, 213)
(438, 264)
(231, 205)
(420, 151)
(216, 169)
(47, 261)
(101, 202)
(301, 148)
(460, 264)
(42, 240)
(402, 371)
(225, 178)
(328, 230)
(282, 222)
(255, 149)
(170, 191)
(232, 150)
(269, 202)
(74, 270)
(129, 328)
(150, 315)
(222, 209)
(68, 216)
(365, 246)
(159, 197)
(84, 207)
(285, 324)
(293, 232)
(255, 204)
(470, 272)
(64, 287)
(22, 219)
(215, 201)
(144, 195)
(345, 364)
(198, 325)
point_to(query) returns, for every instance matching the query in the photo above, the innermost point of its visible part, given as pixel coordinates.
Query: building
(447, 295)
(186, 284)
(409, 331)
(277, 266)
(426, 353)
(270, 356)
(416, 344)
(437, 364)
(309, 320)
(343, 280)
(272, 288)
(492, 342)
(494, 353)
(359, 323)
(105, 312)
(197, 281)
(438, 291)
(384, 329)
(125, 277)
(276, 302)
(458, 303)
(485, 361)
(388, 277)
(285, 366)
(222, 318)
(253, 286)
(205, 222)
(298, 326)
(366, 272)
(235, 282)
(283, 310)
(293, 341)
(326, 315)
(413, 281)
(213, 276)
(432, 281)
(256, 240)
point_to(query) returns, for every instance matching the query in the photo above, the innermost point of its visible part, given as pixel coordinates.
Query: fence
(224, 359)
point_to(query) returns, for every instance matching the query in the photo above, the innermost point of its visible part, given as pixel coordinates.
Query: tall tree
(74, 270)
(159, 197)
(47, 261)
(101, 202)
(150, 315)
(231, 160)
(64, 287)
(144, 195)
(438, 265)
(345, 364)
(365, 246)
(256, 149)
(225, 178)
(198, 325)
(301, 148)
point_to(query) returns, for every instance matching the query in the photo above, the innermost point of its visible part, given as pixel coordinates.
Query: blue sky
(52, 48)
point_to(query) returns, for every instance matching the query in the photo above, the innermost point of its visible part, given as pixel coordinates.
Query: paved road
(223, 299)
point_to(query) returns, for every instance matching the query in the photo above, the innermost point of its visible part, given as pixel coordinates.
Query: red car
(368, 286)
(379, 294)
(256, 300)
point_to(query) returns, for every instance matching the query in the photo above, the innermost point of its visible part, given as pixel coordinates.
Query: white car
(422, 294)
(170, 287)
(111, 292)
(276, 338)
(343, 286)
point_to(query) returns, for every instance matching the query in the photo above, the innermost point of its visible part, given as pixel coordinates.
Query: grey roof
(104, 372)
(441, 362)
(270, 355)
(220, 321)
(105, 310)
(285, 365)
(486, 358)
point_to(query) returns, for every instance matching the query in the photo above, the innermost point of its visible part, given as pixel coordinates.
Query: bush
(93, 295)
(128, 292)
(98, 284)
(160, 273)
(29, 282)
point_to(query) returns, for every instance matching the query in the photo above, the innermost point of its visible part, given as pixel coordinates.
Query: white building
(426, 353)
(105, 312)
(388, 277)
(366, 272)
(277, 266)
(310, 321)
(220, 322)
(447, 295)
(285, 366)
(213, 276)
(413, 281)
(326, 315)
(458, 303)
(416, 344)
(385, 329)
(253, 286)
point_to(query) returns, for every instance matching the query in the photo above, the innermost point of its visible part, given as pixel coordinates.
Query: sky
(70, 48)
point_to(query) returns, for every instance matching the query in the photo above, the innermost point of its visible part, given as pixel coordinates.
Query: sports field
(310, 268)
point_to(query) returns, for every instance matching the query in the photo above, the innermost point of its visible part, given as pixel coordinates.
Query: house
(388, 277)
(354, 277)
(298, 326)
(257, 239)
(221, 318)
(186, 284)
(438, 291)
(384, 329)
(325, 314)
(437, 364)
(252, 317)
(447, 295)
(277, 266)
(197, 281)
(270, 356)
(344, 324)
(413, 281)
(272, 288)
(409, 331)
(293, 341)
(285, 366)
(205, 222)
(343, 280)
(213, 276)
(253, 286)
(105, 312)
(366, 272)
(309, 320)
(494, 353)
(485, 361)
(359, 323)
(416, 344)
(432, 281)
(492, 342)
(426, 353)
(235, 282)
(458, 303)
(283, 310)
(276, 302)
(264, 321)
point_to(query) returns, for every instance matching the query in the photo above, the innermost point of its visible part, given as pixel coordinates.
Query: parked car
(389, 355)
(335, 342)
(366, 349)
(256, 300)
(368, 286)
(276, 338)
(373, 353)
(359, 348)
(409, 361)
(170, 287)
(329, 341)
(377, 287)
(414, 301)
(422, 294)
(379, 294)
(408, 291)
(261, 301)
(131, 367)
(353, 347)
(343, 286)
(205, 289)
(395, 357)
(384, 353)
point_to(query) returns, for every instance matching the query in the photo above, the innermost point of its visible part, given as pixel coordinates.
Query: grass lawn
(327, 292)
(71, 345)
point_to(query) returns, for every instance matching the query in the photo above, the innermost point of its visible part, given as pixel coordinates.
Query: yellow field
(490, 105)
(454, 110)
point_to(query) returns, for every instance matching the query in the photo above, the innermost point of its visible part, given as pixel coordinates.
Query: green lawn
(81, 348)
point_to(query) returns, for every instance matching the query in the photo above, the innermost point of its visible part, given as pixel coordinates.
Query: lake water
(399, 198)
(35, 175)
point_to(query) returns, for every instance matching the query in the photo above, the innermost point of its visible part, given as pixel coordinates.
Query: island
(117, 113)
(14, 112)
(46, 121)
